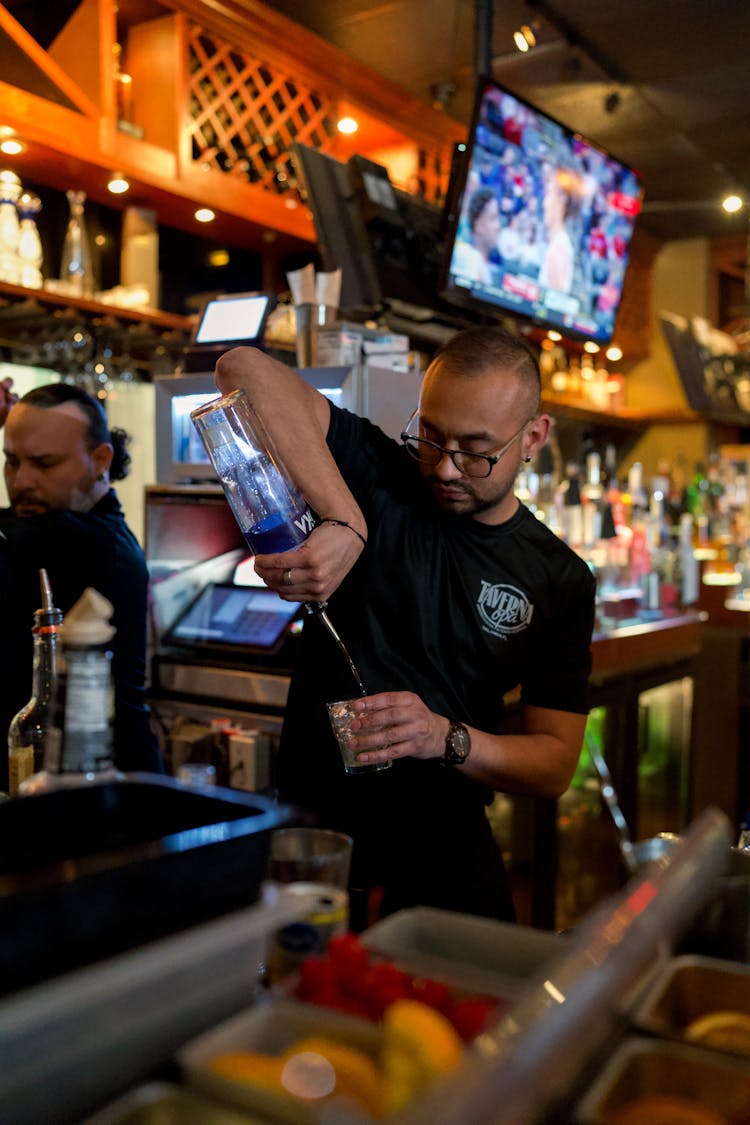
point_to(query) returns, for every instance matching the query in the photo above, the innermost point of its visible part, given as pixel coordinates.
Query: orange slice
(250, 1066)
(318, 1067)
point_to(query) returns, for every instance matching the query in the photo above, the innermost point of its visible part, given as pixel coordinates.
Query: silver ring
(287, 579)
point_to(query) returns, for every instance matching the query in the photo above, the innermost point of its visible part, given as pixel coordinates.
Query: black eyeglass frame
(491, 457)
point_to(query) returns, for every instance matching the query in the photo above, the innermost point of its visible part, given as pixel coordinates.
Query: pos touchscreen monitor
(233, 619)
(542, 221)
(224, 323)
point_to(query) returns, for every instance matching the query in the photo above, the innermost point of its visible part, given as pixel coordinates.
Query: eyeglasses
(470, 464)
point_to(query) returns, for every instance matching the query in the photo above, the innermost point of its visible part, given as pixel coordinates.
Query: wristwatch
(457, 745)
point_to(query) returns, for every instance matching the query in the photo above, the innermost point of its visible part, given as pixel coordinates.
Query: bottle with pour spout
(28, 729)
(271, 512)
(78, 746)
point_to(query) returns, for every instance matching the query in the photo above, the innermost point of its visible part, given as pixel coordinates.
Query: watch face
(458, 743)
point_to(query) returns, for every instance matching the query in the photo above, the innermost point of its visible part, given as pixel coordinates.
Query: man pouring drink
(448, 593)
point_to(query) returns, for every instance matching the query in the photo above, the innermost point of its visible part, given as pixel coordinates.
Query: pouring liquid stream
(318, 611)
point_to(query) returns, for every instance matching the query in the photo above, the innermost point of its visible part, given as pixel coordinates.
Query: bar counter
(644, 668)
(650, 639)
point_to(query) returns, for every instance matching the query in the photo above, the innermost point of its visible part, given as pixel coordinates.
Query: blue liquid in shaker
(272, 534)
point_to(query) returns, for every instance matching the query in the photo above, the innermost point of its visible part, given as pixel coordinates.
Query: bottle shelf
(623, 418)
(17, 302)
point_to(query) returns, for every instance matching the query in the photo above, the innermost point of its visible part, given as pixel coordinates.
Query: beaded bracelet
(343, 523)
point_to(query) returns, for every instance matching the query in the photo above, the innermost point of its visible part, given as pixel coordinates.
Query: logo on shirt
(504, 609)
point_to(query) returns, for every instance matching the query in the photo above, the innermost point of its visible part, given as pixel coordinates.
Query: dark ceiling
(664, 85)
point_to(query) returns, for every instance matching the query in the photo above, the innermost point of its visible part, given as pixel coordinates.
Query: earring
(526, 460)
(100, 476)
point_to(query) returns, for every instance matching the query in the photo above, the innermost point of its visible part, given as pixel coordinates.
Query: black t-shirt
(460, 613)
(78, 549)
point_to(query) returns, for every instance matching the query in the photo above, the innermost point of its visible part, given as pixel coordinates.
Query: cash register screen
(228, 616)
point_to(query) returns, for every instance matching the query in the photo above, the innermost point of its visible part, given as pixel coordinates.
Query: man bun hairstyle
(98, 431)
(121, 459)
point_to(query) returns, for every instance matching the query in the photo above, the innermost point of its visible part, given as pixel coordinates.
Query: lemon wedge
(724, 1030)
(419, 1045)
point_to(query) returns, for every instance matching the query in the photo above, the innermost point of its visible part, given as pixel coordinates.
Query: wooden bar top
(645, 642)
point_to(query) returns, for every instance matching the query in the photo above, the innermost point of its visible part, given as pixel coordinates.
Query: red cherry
(471, 1016)
(385, 995)
(315, 974)
(431, 992)
(349, 958)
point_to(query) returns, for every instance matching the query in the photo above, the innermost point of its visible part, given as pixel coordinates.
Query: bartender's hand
(8, 398)
(403, 721)
(313, 571)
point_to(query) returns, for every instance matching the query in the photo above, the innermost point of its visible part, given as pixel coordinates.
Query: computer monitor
(341, 235)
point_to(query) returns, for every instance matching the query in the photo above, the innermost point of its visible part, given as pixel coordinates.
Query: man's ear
(536, 434)
(102, 458)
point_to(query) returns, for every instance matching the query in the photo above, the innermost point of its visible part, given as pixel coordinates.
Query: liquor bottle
(591, 494)
(10, 190)
(689, 568)
(638, 495)
(76, 266)
(30, 255)
(572, 514)
(78, 747)
(28, 729)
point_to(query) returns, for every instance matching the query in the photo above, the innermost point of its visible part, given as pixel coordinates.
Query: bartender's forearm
(296, 416)
(540, 762)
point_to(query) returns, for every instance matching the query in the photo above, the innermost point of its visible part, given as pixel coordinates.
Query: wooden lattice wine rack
(245, 113)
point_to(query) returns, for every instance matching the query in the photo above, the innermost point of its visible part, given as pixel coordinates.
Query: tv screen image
(543, 221)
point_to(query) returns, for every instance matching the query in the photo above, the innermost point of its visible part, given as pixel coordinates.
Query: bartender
(448, 593)
(60, 457)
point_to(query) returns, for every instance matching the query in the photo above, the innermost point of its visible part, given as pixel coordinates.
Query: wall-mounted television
(543, 220)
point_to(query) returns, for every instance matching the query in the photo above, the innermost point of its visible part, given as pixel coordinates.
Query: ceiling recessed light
(732, 204)
(613, 353)
(11, 146)
(591, 347)
(347, 125)
(117, 184)
(205, 215)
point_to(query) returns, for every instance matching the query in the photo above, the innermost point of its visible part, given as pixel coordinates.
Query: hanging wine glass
(76, 268)
(81, 344)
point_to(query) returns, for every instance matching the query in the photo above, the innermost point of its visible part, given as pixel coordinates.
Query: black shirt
(459, 612)
(78, 549)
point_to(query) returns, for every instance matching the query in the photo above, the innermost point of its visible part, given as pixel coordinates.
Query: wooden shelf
(624, 418)
(17, 301)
